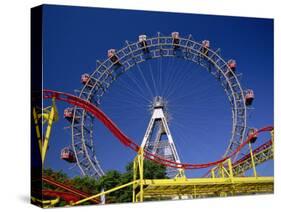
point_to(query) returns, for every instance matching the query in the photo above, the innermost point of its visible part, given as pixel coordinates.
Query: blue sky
(75, 37)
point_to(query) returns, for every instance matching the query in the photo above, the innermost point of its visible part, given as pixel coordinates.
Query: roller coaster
(226, 176)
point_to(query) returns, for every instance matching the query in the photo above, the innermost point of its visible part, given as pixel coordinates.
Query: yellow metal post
(221, 171)
(230, 172)
(37, 128)
(253, 160)
(213, 173)
(230, 168)
(140, 165)
(180, 174)
(47, 115)
(48, 133)
(134, 179)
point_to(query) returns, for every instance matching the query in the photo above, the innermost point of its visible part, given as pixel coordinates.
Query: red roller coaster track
(125, 140)
(245, 157)
(255, 151)
(72, 194)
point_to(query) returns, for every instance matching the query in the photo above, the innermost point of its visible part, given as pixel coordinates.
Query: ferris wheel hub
(159, 102)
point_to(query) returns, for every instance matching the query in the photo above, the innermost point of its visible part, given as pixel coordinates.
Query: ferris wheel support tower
(158, 138)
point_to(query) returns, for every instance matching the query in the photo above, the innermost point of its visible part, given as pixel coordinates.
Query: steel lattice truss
(133, 54)
(153, 139)
(261, 155)
(204, 187)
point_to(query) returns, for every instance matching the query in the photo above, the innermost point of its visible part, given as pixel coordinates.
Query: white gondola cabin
(176, 39)
(143, 43)
(205, 46)
(142, 38)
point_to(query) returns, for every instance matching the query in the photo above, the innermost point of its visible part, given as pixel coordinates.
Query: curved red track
(255, 151)
(72, 194)
(245, 157)
(125, 140)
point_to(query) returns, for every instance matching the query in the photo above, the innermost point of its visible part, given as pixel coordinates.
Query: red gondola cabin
(249, 97)
(68, 114)
(67, 154)
(85, 78)
(232, 65)
(250, 133)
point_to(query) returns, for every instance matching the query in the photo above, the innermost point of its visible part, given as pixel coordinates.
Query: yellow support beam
(225, 184)
(134, 179)
(140, 165)
(37, 128)
(103, 193)
(41, 117)
(207, 181)
(272, 139)
(207, 187)
(260, 157)
(138, 171)
(181, 187)
(252, 160)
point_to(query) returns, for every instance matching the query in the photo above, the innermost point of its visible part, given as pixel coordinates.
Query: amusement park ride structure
(226, 175)
(222, 182)
(118, 62)
(158, 138)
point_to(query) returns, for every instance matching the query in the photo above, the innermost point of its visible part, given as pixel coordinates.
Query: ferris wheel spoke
(153, 80)
(145, 81)
(140, 93)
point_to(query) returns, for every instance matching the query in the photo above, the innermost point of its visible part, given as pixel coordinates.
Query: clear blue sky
(75, 37)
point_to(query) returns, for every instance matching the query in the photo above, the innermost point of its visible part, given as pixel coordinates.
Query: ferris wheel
(118, 62)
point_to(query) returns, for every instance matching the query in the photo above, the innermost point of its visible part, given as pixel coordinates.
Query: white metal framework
(158, 138)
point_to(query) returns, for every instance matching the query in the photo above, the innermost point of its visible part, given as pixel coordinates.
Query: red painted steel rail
(255, 151)
(70, 190)
(126, 141)
(246, 157)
